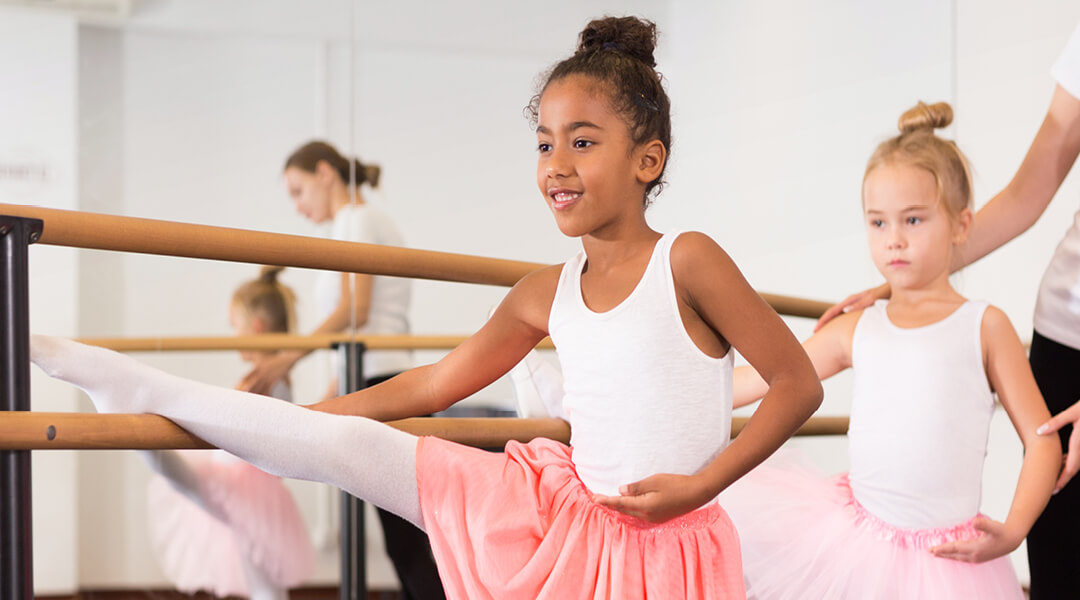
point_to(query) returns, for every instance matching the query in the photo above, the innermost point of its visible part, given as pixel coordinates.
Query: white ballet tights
(366, 458)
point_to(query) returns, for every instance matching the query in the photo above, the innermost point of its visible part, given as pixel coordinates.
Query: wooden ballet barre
(284, 341)
(168, 238)
(796, 307)
(28, 430)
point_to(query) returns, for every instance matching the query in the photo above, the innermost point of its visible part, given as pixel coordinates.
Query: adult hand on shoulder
(657, 498)
(854, 302)
(262, 377)
(1071, 460)
(996, 540)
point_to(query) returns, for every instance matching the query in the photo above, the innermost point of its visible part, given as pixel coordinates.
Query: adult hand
(263, 376)
(854, 302)
(657, 498)
(995, 540)
(1071, 460)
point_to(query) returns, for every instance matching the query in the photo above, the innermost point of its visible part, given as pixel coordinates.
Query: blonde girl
(904, 522)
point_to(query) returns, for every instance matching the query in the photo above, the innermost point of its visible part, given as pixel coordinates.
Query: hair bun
(269, 273)
(925, 116)
(629, 35)
(370, 174)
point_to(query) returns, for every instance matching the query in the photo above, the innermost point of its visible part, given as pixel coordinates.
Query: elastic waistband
(903, 536)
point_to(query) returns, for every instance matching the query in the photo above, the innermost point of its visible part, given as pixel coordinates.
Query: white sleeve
(359, 226)
(1067, 68)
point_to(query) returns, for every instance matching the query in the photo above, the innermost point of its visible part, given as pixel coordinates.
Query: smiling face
(589, 171)
(911, 234)
(309, 192)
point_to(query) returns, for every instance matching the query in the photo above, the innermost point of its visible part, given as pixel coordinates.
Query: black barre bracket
(353, 556)
(16, 541)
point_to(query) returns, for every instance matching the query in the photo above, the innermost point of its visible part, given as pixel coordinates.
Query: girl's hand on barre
(1071, 460)
(996, 540)
(854, 302)
(657, 498)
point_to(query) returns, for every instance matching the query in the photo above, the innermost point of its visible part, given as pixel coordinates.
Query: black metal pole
(16, 542)
(353, 567)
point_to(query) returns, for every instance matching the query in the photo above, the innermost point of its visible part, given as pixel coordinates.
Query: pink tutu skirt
(262, 523)
(520, 524)
(805, 537)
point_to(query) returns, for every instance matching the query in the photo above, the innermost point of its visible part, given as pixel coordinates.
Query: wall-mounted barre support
(16, 538)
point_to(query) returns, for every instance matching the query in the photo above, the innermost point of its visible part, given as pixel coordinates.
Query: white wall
(38, 164)
(187, 109)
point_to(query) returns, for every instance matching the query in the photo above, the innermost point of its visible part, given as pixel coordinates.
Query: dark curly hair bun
(631, 36)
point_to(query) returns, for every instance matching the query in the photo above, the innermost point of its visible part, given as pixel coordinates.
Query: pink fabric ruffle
(805, 537)
(198, 551)
(520, 524)
(920, 539)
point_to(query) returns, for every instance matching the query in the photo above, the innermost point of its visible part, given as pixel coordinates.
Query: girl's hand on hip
(1071, 460)
(657, 498)
(996, 540)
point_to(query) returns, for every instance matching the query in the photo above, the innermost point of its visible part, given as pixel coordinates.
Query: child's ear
(257, 325)
(962, 226)
(324, 172)
(651, 158)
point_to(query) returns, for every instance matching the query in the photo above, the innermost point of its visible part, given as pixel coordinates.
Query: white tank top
(920, 417)
(641, 398)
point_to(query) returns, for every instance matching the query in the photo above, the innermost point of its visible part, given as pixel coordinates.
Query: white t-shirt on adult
(390, 296)
(1057, 310)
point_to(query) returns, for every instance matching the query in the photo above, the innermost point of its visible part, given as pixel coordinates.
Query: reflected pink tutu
(520, 524)
(805, 537)
(197, 551)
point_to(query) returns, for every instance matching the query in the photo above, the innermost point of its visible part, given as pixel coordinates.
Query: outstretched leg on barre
(364, 457)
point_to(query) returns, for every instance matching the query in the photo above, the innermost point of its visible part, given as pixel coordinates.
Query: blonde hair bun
(269, 273)
(925, 116)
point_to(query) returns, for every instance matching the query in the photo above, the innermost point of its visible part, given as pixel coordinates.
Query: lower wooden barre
(26, 430)
(22, 430)
(283, 341)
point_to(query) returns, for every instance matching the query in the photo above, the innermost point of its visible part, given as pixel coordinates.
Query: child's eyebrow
(871, 211)
(580, 124)
(571, 127)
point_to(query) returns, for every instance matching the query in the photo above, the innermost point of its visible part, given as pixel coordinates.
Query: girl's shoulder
(542, 278)
(532, 296)
(688, 241)
(840, 331)
(996, 329)
(694, 253)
